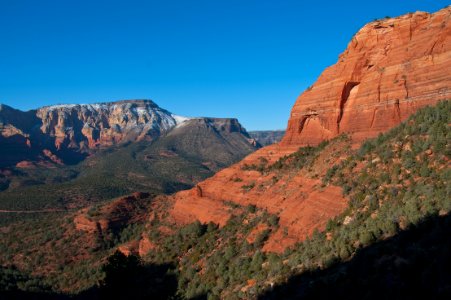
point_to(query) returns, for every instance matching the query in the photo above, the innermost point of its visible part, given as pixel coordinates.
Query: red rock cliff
(91, 125)
(391, 68)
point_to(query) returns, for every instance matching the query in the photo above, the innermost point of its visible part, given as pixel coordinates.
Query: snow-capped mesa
(89, 126)
(62, 106)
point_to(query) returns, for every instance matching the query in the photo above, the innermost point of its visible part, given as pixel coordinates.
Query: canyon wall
(89, 126)
(390, 68)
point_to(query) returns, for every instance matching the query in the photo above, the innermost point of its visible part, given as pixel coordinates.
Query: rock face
(72, 131)
(391, 68)
(113, 216)
(298, 199)
(15, 137)
(86, 127)
(92, 125)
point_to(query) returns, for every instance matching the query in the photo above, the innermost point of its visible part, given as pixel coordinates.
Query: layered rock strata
(390, 68)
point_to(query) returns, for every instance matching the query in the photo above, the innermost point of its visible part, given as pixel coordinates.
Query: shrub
(248, 187)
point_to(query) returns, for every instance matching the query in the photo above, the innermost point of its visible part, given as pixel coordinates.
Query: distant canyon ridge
(61, 134)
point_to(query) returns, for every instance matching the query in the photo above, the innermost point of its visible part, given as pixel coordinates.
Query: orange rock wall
(390, 69)
(299, 201)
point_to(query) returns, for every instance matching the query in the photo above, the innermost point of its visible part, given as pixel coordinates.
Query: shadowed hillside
(414, 264)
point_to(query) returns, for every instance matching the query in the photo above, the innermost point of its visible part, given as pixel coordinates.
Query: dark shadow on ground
(126, 278)
(415, 264)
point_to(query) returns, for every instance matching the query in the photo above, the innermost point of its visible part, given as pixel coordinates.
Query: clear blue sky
(219, 58)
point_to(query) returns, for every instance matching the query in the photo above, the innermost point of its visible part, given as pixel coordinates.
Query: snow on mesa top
(78, 125)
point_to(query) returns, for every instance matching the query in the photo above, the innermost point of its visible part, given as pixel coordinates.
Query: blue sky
(218, 58)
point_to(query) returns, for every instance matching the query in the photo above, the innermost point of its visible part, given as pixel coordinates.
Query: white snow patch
(167, 122)
(62, 106)
(159, 119)
(141, 111)
(179, 120)
(90, 107)
(97, 106)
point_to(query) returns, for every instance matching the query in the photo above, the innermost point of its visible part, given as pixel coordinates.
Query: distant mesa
(70, 132)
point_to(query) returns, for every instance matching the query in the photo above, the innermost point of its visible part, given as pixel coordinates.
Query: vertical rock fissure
(373, 118)
(405, 87)
(344, 98)
(302, 123)
(397, 111)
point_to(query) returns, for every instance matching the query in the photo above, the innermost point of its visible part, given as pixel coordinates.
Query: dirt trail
(31, 211)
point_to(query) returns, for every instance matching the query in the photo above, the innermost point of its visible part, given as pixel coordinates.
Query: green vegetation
(300, 159)
(391, 189)
(106, 175)
(248, 187)
(171, 163)
(12, 280)
(211, 258)
(394, 182)
(51, 255)
(61, 257)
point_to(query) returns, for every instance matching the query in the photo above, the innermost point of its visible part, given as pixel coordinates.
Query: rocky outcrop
(84, 127)
(299, 199)
(391, 68)
(15, 140)
(70, 132)
(113, 216)
(89, 126)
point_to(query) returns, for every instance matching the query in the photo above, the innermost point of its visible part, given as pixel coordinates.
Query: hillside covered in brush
(404, 203)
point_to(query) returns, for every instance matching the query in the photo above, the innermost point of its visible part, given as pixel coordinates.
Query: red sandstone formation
(129, 248)
(390, 69)
(298, 199)
(52, 156)
(145, 246)
(25, 164)
(89, 126)
(117, 214)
